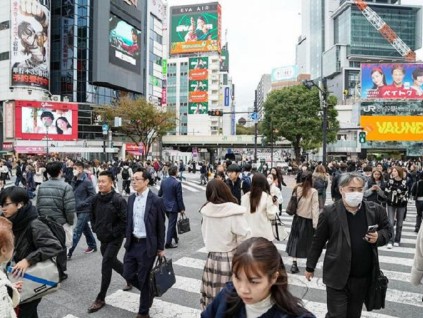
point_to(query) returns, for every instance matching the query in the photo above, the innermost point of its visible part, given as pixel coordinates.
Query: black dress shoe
(171, 245)
(176, 240)
(294, 268)
(62, 277)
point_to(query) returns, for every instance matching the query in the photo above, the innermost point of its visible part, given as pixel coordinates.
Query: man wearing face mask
(353, 229)
(84, 194)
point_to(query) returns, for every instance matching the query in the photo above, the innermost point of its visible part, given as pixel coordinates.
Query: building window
(4, 56)
(4, 25)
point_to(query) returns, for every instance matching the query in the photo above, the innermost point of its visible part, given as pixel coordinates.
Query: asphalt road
(182, 301)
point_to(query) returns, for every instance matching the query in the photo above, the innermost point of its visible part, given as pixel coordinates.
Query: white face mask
(353, 199)
(75, 172)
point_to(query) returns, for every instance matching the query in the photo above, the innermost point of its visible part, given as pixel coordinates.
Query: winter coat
(84, 193)
(55, 199)
(396, 193)
(108, 218)
(308, 207)
(235, 188)
(373, 195)
(7, 303)
(224, 226)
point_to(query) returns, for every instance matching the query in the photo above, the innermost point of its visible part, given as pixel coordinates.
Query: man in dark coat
(353, 229)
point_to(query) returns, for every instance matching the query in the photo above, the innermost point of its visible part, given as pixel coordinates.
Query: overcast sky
(262, 35)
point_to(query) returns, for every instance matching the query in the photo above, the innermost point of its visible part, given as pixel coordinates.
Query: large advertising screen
(198, 85)
(390, 128)
(30, 43)
(124, 44)
(392, 81)
(285, 73)
(195, 28)
(35, 120)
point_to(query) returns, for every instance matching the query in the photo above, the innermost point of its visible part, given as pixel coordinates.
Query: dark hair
(79, 164)
(218, 192)
(107, 173)
(47, 114)
(60, 131)
(146, 175)
(219, 174)
(258, 256)
(373, 173)
(247, 167)
(379, 70)
(173, 171)
(15, 194)
(54, 168)
(306, 182)
(417, 72)
(279, 176)
(397, 67)
(258, 186)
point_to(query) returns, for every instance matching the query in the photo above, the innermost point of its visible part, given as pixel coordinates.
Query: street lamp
(47, 124)
(324, 101)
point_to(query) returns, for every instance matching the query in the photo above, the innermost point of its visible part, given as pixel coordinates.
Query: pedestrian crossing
(189, 186)
(402, 299)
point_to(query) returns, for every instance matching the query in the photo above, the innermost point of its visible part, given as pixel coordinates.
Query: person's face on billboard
(28, 36)
(397, 76)
(63, 125)
(134, 37)
(200, 23)
(47, 121)
(419, 80)
(377, 78)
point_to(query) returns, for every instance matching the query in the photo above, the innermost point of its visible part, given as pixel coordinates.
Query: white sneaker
(396, 244)
(389, 246)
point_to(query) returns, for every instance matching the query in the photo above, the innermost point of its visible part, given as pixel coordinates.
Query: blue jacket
(84, 193)
(154, 219)
(171, 192)
(217, 309)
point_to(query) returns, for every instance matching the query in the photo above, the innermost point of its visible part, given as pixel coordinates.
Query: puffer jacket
(108, 218)
(55, 199)
(84, 193)
(33, 239)
(7, 302)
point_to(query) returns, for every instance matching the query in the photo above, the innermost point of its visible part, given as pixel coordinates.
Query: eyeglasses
(137, 179)
(5, 205)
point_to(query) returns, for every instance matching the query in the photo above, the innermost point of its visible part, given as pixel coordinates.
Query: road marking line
(196, 185)
(189, 188)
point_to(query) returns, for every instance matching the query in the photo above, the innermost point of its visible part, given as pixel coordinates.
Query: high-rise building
(263, 89)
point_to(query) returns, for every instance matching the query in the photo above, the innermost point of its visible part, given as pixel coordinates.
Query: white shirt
(140, 203)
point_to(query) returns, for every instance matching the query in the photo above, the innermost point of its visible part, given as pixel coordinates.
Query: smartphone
(372, 228)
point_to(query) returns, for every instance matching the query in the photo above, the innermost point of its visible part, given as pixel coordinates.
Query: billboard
(124, 44)
(195, 28)
(224, 59)
(285, 73)
(389, 128)
(198, 85)
(396, 108)
(35, 120)
(392, 81)
(30, 43)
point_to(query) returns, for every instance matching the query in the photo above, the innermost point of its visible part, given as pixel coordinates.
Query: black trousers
(419, 207)
(62, 260)
(29, 309)
(110, 262)
(347, 302)
(126, 186)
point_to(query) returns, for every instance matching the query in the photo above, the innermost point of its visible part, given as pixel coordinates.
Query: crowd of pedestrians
(244, 274)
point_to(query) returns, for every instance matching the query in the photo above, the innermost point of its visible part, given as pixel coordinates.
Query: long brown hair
(256, 257)
(258, 186)
(218, 192)
(306, 182)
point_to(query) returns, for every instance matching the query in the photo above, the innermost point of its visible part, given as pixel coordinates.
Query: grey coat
(55, 199)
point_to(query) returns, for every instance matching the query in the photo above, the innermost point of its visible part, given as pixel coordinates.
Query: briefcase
(162, 277)
(183, 224)
(376, 294)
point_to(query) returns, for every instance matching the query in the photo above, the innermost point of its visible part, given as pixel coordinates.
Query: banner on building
(198, 85)
(392, 81)
(392, 128)
(30, 43)
(195, 28)
(37, 120)
(397, 108)
(285, 73)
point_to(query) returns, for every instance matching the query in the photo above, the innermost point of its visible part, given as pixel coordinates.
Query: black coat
(171, 192)
(154, 219)
(84, 193)
(235, 188)
(333, 229)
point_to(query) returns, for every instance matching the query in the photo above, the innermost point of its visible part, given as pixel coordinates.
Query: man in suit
(171, 191)
(351, 258)
(145, 237)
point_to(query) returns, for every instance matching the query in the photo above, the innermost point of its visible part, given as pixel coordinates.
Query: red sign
(7, 146)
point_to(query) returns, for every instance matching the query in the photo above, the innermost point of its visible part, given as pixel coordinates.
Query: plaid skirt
(217, 272)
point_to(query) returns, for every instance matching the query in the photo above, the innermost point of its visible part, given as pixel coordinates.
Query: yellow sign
(393, 128)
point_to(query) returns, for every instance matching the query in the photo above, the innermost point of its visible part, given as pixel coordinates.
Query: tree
(242, 130)
(142, 122)
(293, 113)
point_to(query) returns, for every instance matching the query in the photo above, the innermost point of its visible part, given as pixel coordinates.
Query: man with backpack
(56, 200)
(334, 189)
(126, 175)
(246, 178)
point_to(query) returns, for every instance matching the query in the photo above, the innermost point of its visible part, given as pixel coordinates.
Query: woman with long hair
(304, 222)
(320, 183)
(396, 192)
(374, 190)
(63, 126)
(259, 286)
(261, 207)
(278, 177)
(223, 227)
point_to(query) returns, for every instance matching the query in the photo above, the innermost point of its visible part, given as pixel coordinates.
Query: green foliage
(293, 112)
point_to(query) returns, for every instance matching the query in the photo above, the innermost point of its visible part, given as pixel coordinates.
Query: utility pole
(255, 127)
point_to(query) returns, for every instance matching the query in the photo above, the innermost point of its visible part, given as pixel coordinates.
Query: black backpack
(125, 173)
(55, 228)
(319, 185)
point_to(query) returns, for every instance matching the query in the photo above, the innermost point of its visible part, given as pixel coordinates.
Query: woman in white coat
(261, 207)
(417, 269)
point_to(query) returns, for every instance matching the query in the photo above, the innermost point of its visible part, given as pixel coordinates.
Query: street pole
(255, 128)
(271, 143)
(325, 118)
(47, 140)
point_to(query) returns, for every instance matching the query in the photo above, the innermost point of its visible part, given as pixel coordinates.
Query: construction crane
(386, 31)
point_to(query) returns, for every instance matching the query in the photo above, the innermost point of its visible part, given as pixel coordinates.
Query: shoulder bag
(292, 206)
(162, 277)
(376, 294)
(278, 228)
(183, 224)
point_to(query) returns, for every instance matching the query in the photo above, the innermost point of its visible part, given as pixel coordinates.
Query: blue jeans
(83, 227)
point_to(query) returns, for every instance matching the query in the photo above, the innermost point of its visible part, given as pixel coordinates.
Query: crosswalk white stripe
(160, 309)
(320, 309)
(392, 295)
(196, 185)
(184, 186)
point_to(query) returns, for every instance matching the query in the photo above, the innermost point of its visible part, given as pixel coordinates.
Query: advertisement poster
(35, 120)
(392, 81)
(30, 43)
(390, 128)
(398, 108)
(195, 28)
(198, 108)
(285, 73)
(224, 59)
(198, 85)
(124, 45)
(198, 68)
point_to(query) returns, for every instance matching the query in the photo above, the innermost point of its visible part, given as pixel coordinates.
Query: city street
(182, 301)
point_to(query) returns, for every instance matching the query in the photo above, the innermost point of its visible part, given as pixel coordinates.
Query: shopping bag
(183, 224)
(278, 228)
(162, 277)
(39, 280)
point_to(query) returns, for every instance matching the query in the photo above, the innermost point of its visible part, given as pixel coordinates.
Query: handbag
(162, 277)
(376, 294)
(39, 280)
(278, 228)
(183, 224)
(292, 206)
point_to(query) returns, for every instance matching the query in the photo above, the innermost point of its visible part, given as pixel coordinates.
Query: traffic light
(215, 113)
(362, 137)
